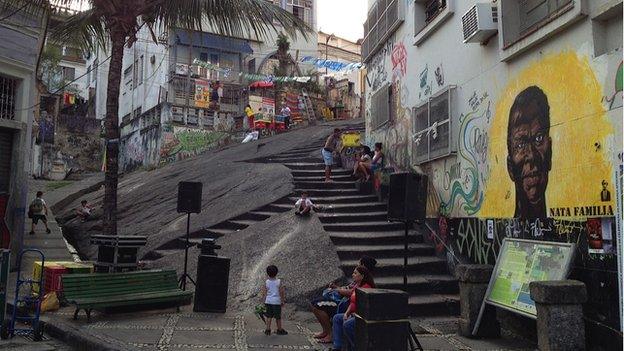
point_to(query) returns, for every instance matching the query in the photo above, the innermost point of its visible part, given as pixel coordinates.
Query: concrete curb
(78, 339)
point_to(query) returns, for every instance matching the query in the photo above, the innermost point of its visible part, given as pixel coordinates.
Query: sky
(344, 18)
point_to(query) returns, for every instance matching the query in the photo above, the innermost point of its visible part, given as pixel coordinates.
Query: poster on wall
(261, 104)
(202, 93)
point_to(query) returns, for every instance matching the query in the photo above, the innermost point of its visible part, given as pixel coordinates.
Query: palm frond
(239, 18)
(86, 30)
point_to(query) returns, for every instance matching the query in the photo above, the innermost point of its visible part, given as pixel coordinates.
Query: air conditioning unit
(181, 69)
(480, 23)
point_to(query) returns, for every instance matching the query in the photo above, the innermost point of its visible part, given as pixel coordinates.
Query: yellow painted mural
(546, 151)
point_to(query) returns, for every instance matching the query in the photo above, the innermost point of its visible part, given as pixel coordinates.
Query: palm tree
(115, 23)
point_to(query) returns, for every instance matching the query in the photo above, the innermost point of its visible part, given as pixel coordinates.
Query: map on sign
(521, 262)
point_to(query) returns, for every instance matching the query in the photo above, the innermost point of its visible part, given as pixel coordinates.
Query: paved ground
(167, 330)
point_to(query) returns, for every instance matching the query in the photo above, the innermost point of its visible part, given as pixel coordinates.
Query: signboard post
(519, 263)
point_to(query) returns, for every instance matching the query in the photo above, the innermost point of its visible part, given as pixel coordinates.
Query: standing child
(38, 210)
(273, 295)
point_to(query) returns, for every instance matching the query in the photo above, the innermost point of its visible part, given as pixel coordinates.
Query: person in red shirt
(346, 321)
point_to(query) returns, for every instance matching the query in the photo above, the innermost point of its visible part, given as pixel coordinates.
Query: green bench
(102, 290)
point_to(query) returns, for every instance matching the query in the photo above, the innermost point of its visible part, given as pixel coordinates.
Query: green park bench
(102, 290)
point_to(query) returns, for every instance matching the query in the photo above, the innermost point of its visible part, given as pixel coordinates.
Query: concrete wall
(19, 50)
(576, 61)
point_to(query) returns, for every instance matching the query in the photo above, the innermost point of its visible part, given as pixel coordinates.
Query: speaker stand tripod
(185, 275)
(412, 338)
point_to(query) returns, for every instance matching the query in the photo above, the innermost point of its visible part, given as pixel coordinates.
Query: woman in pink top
(345, 321)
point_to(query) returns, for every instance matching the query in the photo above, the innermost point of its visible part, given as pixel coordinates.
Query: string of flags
(226, 71)
(333, 65)
(272, 78)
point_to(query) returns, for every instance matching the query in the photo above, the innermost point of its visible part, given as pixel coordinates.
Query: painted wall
(537, 142)
(583, 94)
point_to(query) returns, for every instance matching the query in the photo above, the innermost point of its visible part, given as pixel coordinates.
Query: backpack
(36, 206)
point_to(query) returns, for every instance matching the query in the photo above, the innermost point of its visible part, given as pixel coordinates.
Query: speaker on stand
(407, 202)
(189, 201)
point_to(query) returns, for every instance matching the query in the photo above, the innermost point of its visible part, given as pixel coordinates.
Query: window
(69, 73)
(384, 17)
(382, 103)
(8, 91)
(251, 66)
(95, 70)
(138, 71)
(429, 15)
(203, 56)
(299, 12)
(534, 18)
(127, 75)
(607, 30)
(432, 128)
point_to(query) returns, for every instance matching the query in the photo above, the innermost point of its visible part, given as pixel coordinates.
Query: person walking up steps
(273, 296)
(328, 153)
(38, 210)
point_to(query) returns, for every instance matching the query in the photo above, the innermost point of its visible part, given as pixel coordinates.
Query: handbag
(332, 295)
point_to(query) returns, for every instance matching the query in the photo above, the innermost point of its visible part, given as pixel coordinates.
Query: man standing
(286, 113)
(328, 153)
(38, 210)
(529, 148)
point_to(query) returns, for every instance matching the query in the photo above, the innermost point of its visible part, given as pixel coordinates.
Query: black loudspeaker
(407, 200)
(189, 197)
(211, 292)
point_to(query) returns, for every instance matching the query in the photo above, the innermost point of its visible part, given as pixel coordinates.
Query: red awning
(261, 84)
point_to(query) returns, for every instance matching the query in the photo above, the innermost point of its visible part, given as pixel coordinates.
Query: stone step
(276, 207)
(322, 185)
(294, 159)
(254, 216)
(319, 172)
(434, 305)
(214, 233)
(355, 208)
(353, 252)
(420, 284)
(231, 225)
(335, 178)
(361, 217)
(265, 214)
(315, 192)
(307, 166)
(374, 238)
(380, 226)
(394, 266)
(245, 222)
(339, 200)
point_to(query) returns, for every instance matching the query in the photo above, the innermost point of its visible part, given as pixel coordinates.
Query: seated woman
(345, 322)
(325, 307)
(375, 164)
(361, 157)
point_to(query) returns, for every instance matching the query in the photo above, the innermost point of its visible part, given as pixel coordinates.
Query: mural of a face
(529, 148)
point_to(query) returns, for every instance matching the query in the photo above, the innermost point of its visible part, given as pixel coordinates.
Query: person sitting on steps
(362, 157)
(84, 211)
(335, 299)
(376, 163)
(304, 205)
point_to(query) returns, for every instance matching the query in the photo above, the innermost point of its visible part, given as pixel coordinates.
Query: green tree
(112, 24)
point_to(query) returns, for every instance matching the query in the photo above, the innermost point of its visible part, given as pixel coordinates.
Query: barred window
(432, 128)
(8, 90)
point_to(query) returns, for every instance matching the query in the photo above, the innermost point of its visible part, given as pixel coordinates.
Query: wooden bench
(101, 290)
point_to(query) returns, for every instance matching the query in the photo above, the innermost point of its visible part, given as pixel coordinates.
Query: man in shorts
(38, 210)
(328, 153)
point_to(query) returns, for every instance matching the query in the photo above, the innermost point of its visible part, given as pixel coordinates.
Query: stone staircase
(357, 225)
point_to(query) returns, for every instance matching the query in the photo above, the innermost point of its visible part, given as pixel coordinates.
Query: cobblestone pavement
(167, 330)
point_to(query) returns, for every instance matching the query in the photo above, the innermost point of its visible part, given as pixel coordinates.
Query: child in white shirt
(304, 205)
(273, 296)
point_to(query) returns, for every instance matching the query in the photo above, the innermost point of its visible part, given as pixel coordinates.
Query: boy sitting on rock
(304, 205)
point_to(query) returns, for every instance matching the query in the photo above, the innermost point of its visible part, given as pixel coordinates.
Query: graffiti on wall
(377, 72)
(463, 181)
(399, 60)
(182, 143)
(132, 152)
(545, 141)
(615, 100)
